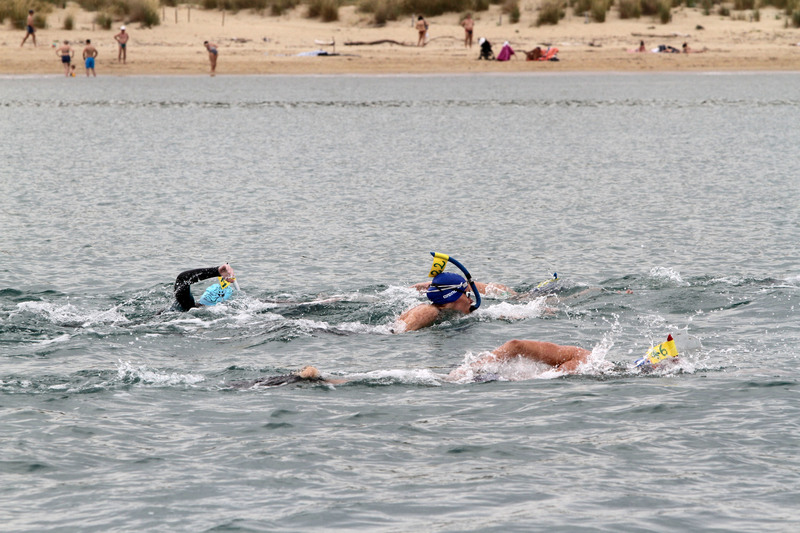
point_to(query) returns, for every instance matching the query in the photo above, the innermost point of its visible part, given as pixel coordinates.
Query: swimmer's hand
(226, 271)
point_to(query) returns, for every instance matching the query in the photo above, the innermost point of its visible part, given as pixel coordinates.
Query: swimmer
(307, 374)
(446, 291)
(564, 358)
(219, 292)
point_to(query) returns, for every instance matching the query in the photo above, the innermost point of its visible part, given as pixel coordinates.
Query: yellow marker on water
(665, 350)
(439, 262)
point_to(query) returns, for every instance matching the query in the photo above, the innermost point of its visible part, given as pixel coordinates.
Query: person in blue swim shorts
(89, 53)
(216, 293)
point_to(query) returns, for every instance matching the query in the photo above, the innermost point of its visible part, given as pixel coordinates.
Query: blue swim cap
(446, 287)
(216, 294)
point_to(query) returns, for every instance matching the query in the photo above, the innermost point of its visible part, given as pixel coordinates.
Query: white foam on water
(668, 274)
(69, 314)
(127, 372)
(61, 338)
(794, 280)
(420, 376)
(510, 311)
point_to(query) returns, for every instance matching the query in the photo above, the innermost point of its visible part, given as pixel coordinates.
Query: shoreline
(251, 44)
(11, 76)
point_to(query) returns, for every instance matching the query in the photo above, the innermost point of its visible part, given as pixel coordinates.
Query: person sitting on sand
(184, 301)
(505, 52)
(534, 55)
(641, 47)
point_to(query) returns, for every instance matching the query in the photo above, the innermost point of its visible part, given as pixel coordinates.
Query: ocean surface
(665, 203)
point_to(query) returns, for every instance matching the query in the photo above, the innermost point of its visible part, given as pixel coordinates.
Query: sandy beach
(250, 43)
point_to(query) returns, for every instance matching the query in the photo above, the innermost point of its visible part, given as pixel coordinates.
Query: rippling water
(326, 194)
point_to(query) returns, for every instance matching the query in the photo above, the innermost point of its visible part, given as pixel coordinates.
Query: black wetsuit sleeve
(286, 379)
(183, 283)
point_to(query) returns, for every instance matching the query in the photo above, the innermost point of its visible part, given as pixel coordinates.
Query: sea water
(666, 204)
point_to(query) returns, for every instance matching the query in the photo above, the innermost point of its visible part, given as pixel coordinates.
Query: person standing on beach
(30, 30)
(212, 56)
(469, 25)
(422, 29)
(65, 52)
(89, 53)
(122, 38)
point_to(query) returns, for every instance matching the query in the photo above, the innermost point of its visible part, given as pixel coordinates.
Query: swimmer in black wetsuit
(183, 294)
(308, 374)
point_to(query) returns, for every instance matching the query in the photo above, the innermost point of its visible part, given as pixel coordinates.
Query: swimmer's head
(446, 287)
(309, 372)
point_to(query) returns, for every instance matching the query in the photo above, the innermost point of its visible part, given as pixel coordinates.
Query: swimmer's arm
(418, 317)
(566, 358)
(189, 277)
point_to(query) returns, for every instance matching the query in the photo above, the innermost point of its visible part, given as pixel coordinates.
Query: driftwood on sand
(392, 41)
(382, 41)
